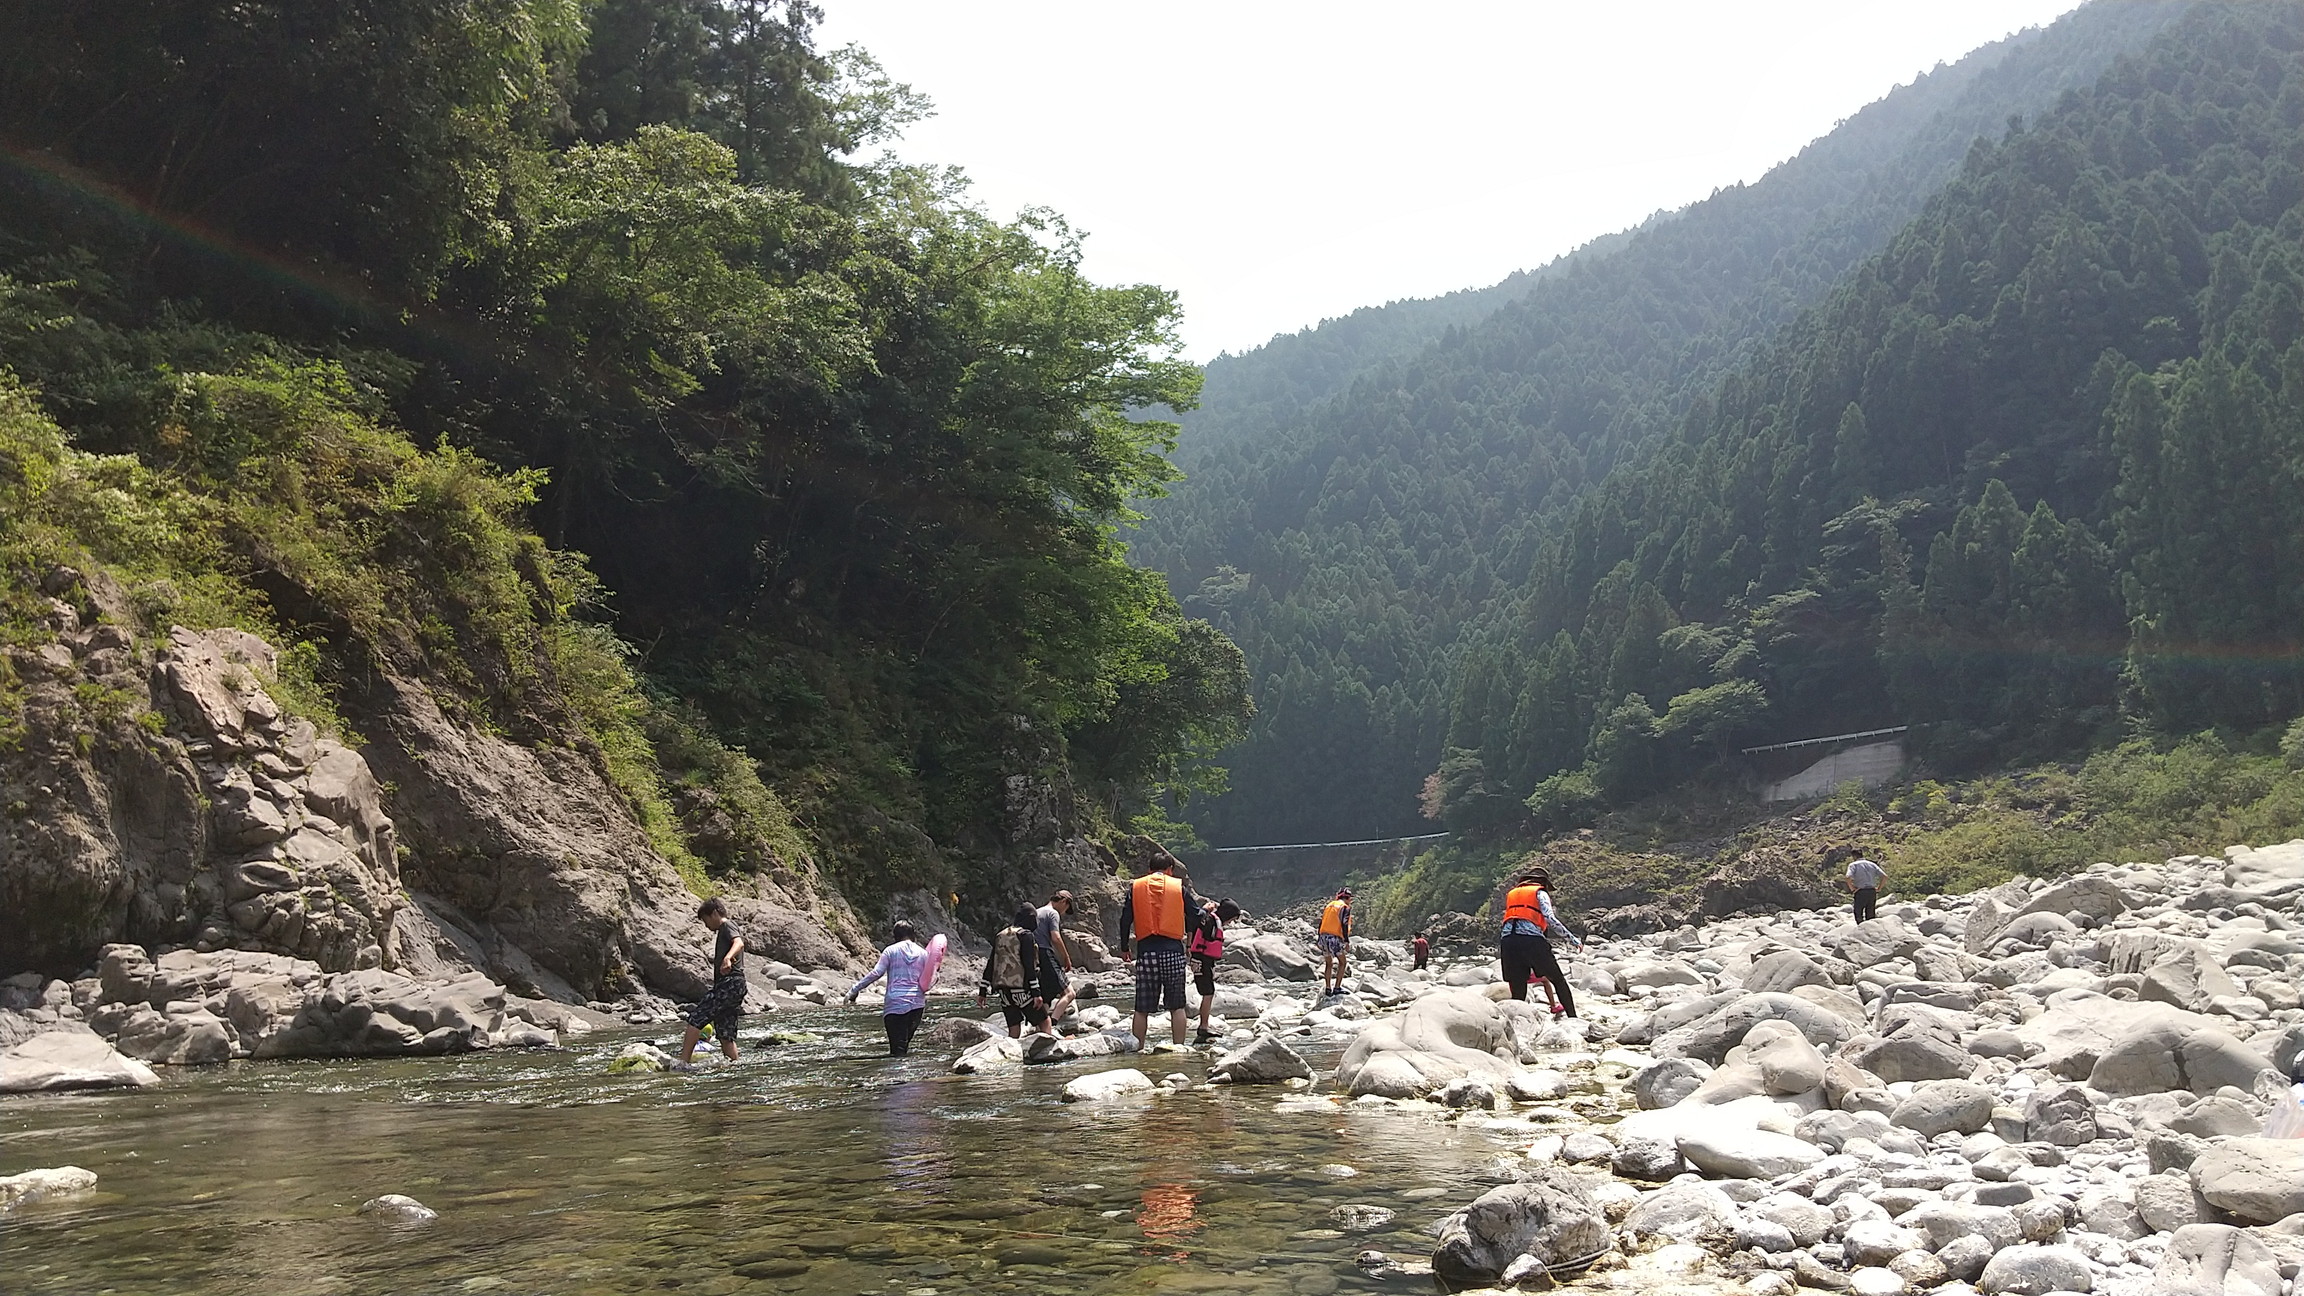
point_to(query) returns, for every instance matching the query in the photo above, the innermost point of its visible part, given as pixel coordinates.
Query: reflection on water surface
(806, 1168)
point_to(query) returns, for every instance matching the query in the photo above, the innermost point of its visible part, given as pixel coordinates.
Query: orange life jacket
(1158, 903)
(1332, 918)
(1525, 904)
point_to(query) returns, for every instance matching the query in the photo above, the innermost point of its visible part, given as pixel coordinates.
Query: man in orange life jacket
(1336, 942)
(1159, 909)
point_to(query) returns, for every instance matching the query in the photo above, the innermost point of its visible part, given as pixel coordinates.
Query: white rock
(1103, 1086)
(73, 1057)
(394, 1208)
(1747, 1154)
(32, 1185)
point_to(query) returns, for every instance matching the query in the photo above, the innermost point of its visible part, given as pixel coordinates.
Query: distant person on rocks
(1336, 942)
(1206, 951)
(1421, 947)
(1863, 881)
(723, 1004)
(1153, 922)
(1055, 985)
(1530, 922)
(905, 964)
(1012, 975)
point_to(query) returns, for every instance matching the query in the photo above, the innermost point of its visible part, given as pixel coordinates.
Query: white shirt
(1863, 874)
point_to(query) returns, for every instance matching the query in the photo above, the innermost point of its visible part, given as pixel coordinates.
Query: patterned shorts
(720, 1007)
(1159, 980)
(1331, 946)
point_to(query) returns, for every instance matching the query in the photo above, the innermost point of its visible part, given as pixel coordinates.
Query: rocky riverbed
(2054, 1086)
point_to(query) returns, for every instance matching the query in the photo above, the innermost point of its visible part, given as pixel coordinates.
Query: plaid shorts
(720, 1008)
(1159, 980)
(1331, 946)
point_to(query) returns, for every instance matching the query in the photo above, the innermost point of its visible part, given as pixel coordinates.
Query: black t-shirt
(725, 941)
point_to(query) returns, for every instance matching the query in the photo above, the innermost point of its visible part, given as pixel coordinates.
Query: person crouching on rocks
(723, 1004)
(1153, 920)
(1526, 945)
(905, 964)
(1012, 976)
(1206, 951)
(1336, 942)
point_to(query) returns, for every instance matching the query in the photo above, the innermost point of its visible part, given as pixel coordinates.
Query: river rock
(2259, 1180)
(2031, 1270)
(2217, 1260)
(1104, 1086)
(1959, 1106)
(1665, 1082)
(1747, 1154)
(1360, 1218)
(1549, 1217)
(2060, 1114)
(396, 1208)
(72, 1057)
(1651, 1160)
(1443, 1036)
(32, 1185)
(1787, 1062)
(999, 1053)
(2163, 1056)
(1684, 1212)
(1268, 1060)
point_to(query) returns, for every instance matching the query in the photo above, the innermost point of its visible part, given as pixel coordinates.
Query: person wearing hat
(1530, 923)
(1336, 941)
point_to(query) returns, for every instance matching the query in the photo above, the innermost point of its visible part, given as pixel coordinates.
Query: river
(812, 1167)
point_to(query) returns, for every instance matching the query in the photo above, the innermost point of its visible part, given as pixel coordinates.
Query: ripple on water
(807, 1168)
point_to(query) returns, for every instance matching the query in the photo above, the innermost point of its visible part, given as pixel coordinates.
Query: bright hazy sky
(1278, 163)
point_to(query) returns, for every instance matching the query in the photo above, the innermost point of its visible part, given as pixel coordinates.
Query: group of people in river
(1168, 935)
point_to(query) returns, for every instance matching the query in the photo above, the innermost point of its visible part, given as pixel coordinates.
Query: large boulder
(32, 1185)
(2158, 1057)
(1444, 1036)
(72, 1057)
(2079, 1027)
(1787, 1063)
(2266, 868)
(1549, 1217)
(2259, 1180)
(2217, 1260)
(2091, 897)
(1711, 1038)
(1267, 1060)
(1942, 1106)
(2030, 1270)
(1747, 1154)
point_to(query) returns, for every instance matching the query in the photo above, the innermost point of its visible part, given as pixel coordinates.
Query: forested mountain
(828, 462)
(1352, 551)
(1246, 398)
(2033, 474)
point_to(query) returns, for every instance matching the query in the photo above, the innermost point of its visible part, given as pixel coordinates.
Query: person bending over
(1525, 945)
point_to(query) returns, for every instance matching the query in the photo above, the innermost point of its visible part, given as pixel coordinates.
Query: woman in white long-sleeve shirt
(905, 964)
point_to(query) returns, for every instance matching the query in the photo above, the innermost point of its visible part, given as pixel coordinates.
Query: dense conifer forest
(1984, 415)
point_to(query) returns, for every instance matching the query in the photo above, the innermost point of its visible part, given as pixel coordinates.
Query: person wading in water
(906, 964)
(724, 1002)
(1012, 975)
(1153, 921)
(1530, 921)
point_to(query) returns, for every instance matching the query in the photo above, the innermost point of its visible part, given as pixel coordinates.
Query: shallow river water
(806, 1168)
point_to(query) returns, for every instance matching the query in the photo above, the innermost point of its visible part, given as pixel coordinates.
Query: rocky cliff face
(160, 796)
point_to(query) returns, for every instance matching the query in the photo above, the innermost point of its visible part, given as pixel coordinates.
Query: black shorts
(1052, 983)
(1018, 1007)
(1204, 975)
(1526, 957)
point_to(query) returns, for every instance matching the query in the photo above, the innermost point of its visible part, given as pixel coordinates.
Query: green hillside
(1368, 555)
(565, 357)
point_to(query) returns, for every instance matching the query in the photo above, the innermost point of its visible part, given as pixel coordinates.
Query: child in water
(1207, 950)
(723, 1004)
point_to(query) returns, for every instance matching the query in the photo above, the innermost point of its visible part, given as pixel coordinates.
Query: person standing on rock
(1862, 881)
(1421, 947)
(1206, 951)
(1012, 975)
(905, 964)
(1336, 942)
(723, 1004)
(1526, 944)
(1153, 920)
